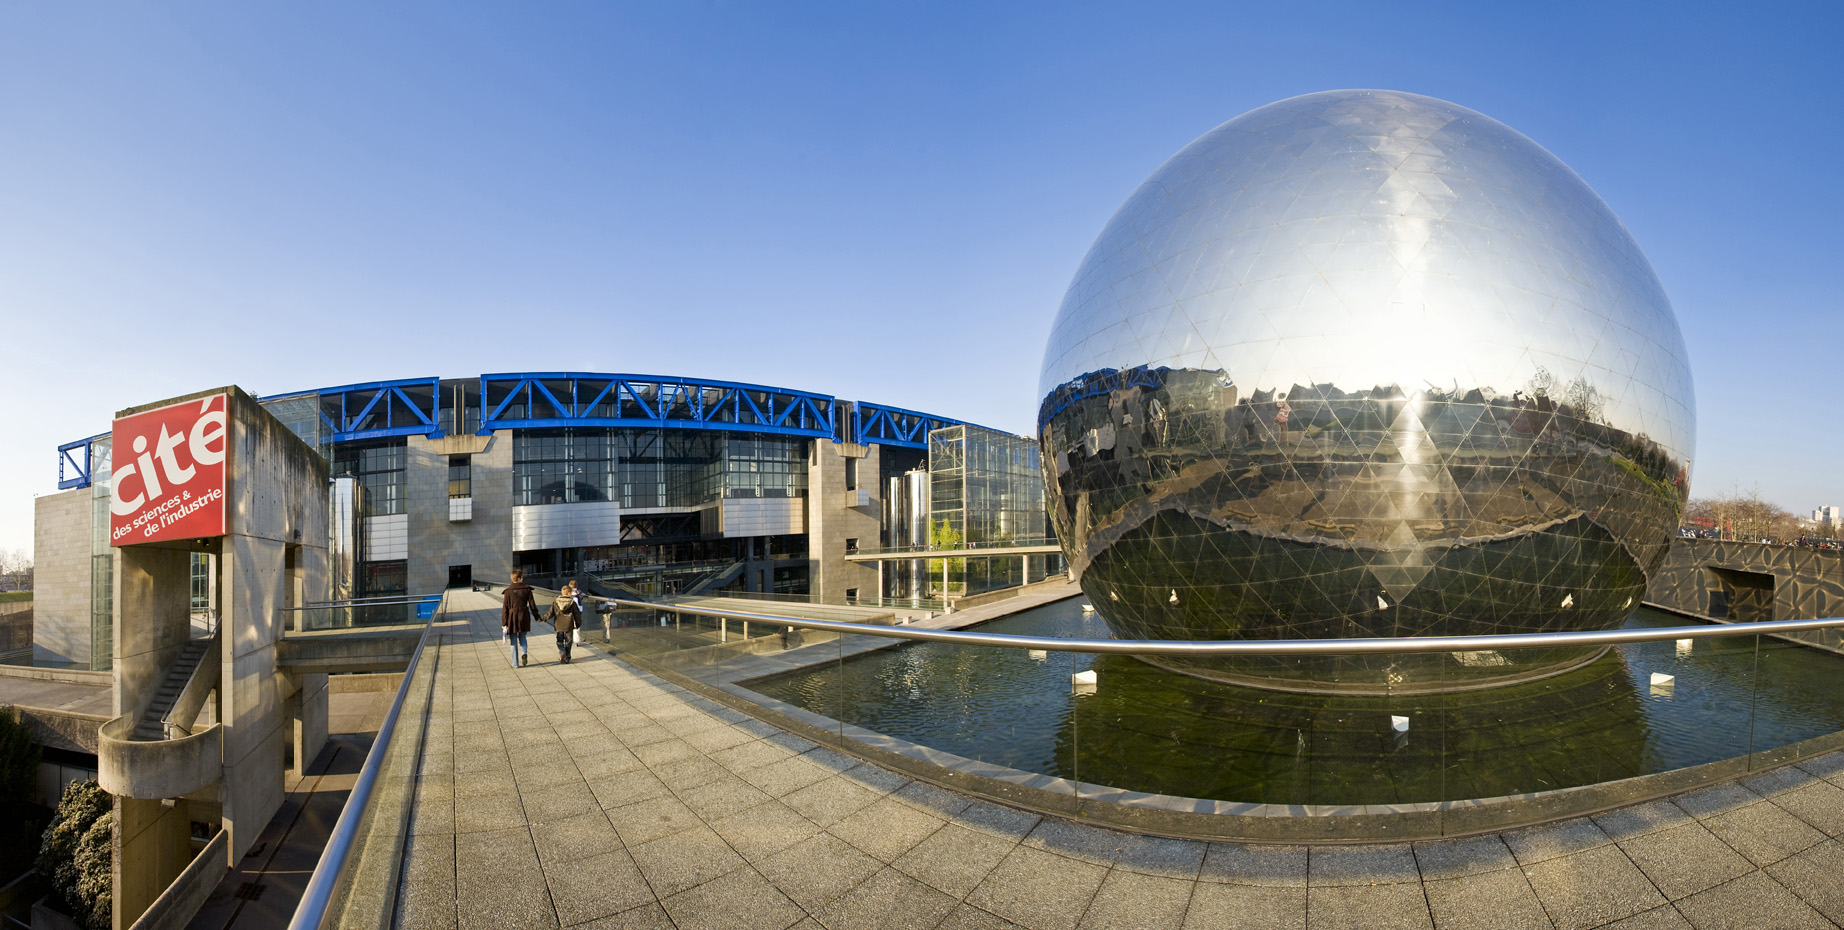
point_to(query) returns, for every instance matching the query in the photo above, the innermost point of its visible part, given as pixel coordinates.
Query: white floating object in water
(1088, 608)
(1662, 680)
(1040, 654)
(1568, 600)
(1174, 598)
(1084, 678)
(1399, 724)
(1684, 647)
(1381, 603)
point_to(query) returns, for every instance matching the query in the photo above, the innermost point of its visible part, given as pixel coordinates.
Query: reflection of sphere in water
(1365, 363)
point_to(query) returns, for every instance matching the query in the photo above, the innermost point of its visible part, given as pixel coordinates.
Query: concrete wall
(275, 556)
(483, 542)
(272, 556)
(15, 625)
(61, 576)
(1800, 584)
(835, 515)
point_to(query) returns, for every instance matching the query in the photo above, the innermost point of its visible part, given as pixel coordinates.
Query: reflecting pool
(1639, 709)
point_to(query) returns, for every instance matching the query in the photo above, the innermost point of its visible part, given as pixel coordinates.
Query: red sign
(169, 473)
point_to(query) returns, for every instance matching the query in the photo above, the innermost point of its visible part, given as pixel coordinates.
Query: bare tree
(1746, 516)
(15, 570)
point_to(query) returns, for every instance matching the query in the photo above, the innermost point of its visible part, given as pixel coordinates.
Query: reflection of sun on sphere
(1365, 363)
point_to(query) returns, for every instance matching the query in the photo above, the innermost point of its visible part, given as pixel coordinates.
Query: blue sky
(882, 201)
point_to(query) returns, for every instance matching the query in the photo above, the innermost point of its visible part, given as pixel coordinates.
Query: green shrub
(76, 856)
(19, 754)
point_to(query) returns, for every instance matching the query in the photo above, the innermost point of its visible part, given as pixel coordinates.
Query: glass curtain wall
(102, 558)
(985, 488)
(653, 469)
(379, 466)
(562, 466)
(302, 417)
(765, 466)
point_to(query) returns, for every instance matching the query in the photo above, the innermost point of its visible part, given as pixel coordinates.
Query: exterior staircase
(715, 579)
(149, 727)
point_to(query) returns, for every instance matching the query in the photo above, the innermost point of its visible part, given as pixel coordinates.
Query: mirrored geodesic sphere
(1365, 363)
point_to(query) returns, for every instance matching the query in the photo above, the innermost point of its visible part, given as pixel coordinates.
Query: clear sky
(879, 200)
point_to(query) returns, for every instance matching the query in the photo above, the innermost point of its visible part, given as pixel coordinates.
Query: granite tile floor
(595, 795)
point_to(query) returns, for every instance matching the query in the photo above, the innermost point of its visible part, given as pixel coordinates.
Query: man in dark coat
(515, 613)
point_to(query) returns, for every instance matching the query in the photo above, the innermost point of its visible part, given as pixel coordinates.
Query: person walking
(565, 616)
(515, 613)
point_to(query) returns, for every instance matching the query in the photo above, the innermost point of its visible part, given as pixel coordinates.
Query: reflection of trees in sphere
(1365, 363)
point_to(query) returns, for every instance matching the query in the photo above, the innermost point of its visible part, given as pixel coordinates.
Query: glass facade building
(985, 488)
(630, 484)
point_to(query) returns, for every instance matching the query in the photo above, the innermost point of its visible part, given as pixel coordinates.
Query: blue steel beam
(78, 468)
(527, 400)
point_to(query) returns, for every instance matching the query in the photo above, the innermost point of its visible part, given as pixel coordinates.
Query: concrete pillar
(255, 730)
(153, 844)
(153, 621)
(833, 516)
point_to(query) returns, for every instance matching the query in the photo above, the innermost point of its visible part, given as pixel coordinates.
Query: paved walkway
(594, 795)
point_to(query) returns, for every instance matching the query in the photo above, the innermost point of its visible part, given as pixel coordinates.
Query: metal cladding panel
(764, 516)
(1365, 363)
(387, 538)
(562, 526)
(345, 535)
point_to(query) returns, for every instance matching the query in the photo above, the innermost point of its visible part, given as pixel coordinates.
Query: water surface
(1146, 729)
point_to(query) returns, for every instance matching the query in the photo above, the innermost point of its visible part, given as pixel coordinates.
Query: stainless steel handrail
(311, 913)
(382, 601)
(1273, 647)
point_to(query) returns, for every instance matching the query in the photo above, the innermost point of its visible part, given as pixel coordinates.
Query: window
(460, 476)
(851, 595)
(851, 545)
(764, 466)
(851, 474)
(201, 581)
(379, 467)
(562, 466)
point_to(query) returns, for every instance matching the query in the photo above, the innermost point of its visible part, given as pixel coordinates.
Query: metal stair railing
(153, 722)
(185, 709)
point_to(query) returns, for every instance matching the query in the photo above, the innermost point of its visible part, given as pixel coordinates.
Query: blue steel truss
(525, 400)
(547, 399)
(894, 426)
(379, 408)
(74, 469)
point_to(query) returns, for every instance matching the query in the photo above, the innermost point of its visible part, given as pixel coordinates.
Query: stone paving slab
(596, 795)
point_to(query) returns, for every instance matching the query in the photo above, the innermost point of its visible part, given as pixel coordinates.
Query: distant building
(634, 484)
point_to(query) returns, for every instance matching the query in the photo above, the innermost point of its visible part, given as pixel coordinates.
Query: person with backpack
(515, 613)
(566, 615)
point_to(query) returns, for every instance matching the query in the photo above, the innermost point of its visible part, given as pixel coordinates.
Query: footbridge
(971, 551)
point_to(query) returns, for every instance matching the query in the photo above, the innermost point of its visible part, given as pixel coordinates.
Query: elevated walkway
(975, 552)
(595, 794)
